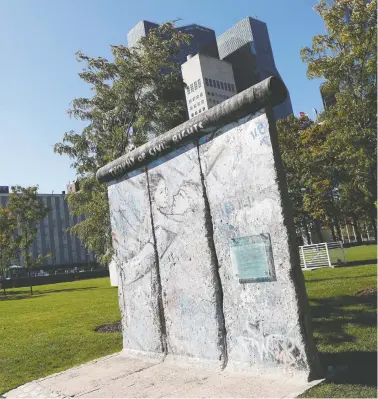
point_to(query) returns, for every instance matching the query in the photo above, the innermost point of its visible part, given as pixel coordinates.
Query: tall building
(73, 187)
(52, 236)
(208, 80)
(328, 99)
(246, 46)
(203, 39)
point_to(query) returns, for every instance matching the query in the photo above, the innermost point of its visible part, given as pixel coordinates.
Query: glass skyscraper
(203, 39)
(247, 47)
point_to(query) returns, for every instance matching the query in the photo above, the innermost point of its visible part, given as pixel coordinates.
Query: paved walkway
(117, 376)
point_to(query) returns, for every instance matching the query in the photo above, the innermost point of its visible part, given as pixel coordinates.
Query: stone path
(118, 376)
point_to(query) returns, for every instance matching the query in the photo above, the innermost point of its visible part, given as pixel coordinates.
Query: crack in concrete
(222, 332)
(163, 327)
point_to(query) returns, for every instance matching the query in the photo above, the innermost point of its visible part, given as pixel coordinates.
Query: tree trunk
(374, 224)
(308, 236)
(357, 229)
(338, 229)
(333, 232)
(30, 283)
(318, 230)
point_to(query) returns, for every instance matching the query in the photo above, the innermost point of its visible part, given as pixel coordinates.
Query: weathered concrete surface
(136, 264)
(270, 91)
(264, 323)
(193, 320)
(117, 376)
(173, 222)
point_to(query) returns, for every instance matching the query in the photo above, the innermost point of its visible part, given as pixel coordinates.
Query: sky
(39, 71)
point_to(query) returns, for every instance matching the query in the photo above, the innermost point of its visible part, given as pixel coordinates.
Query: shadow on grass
(339, 278)
(17, 295)
(361, 263)
(352, 367)
(329, 317)
(331, 314)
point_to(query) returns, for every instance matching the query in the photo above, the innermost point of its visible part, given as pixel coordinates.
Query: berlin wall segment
(179, 291)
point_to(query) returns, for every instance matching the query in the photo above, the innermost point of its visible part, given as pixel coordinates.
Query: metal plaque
(252, 258)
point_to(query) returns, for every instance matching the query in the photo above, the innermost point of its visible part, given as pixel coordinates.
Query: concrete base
(118, 376)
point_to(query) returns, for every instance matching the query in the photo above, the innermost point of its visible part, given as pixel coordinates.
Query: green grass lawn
(54, 329)
(361, 253)
(345, 325)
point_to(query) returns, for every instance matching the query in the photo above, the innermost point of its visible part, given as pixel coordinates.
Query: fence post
(329, 260)
(304, 260)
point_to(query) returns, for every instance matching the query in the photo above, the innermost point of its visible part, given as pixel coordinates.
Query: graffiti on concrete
(151, 150)
(276, 348)
(261, 131)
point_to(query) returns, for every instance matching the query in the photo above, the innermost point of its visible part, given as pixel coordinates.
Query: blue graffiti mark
(228, 207)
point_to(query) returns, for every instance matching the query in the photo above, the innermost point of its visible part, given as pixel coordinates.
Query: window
(211, 82)
(199, 83)
(199, 111)
(196, 113)
(202, 102)
(192, 115)
(214, 83)
(201, 94)
(218, 85)
(203, 109)
(191, 87)
(188, 89)
(208, 93)
(221, 85)
(194, 106)
(228, 87)
(195, 85)
(198, 104)
(207, 82)
(197, 97)
(191, 108)
(232, 87)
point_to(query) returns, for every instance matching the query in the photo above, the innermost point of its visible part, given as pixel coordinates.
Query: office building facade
(52, 236)
(328, 99)
(246, 46)
(203, 39)
(208, 81)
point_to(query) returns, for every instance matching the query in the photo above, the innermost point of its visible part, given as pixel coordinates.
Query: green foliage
(332, 166)
(346, 57)
(136, 96)
(28, 211)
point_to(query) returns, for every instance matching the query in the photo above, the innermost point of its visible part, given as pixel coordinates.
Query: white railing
(325, 254)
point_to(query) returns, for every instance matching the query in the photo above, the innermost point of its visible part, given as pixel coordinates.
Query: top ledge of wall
(269, 92)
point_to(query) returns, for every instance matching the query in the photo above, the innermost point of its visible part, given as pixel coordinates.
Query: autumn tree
(136, 96)
(7, 239)
(27, 210)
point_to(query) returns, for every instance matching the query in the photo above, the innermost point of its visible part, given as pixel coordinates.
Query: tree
(136, 97)
(346, 58)
(27, 210)
(7, 239)
(294, 160)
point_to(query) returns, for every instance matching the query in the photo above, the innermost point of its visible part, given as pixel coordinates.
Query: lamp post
(54, 264)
